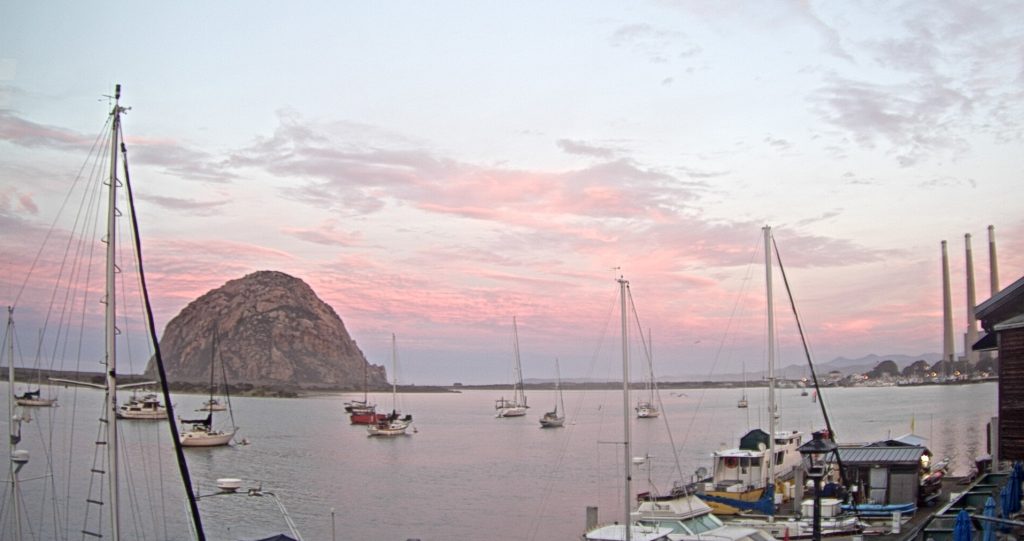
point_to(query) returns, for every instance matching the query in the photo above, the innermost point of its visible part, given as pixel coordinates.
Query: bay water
(461, 473)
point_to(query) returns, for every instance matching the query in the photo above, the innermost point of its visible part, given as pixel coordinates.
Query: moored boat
(393, 424)
(516, 407)
(145, 408)
(553, 419)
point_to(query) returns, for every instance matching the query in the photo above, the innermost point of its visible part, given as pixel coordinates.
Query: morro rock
(271, 331)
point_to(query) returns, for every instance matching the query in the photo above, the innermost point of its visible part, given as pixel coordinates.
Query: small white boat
(200, 433)
(394, 424)
(646, 408)
(145, 408)
(517, 406)
(34, 399)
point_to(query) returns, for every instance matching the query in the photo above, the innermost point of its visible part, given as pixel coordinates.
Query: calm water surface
(464, 474)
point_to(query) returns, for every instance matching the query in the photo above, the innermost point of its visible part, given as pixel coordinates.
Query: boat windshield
(703, 523)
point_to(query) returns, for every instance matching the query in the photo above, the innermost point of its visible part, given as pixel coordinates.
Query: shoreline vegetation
(285, 390)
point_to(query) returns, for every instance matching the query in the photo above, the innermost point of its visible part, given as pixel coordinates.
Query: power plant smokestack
(948, 351)
(992, 262)
(972, 326)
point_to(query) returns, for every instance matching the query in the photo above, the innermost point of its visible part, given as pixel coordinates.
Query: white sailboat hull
(201, 438)
(393, 428)
(514, 411)
(142, 415)
(37, 402)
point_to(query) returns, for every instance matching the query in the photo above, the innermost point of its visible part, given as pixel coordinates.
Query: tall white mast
(771, 355)
(394, 375)
(17, 459)
(111, 321)
(627, 451)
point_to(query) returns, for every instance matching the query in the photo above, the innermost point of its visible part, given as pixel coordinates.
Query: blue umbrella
(987, 527)
(1014, 482)
(962, 530)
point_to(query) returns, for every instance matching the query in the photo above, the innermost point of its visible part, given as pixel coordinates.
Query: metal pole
(625, 408)
(816, 531)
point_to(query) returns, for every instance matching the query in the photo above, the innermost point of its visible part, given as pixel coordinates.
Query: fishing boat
(629, 529)
(145, 407)
(516, 407)
(201, 432)
(745, 478)
(553, 419)
(394, 423)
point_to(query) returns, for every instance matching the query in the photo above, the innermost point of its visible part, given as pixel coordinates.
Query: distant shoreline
(30, 375)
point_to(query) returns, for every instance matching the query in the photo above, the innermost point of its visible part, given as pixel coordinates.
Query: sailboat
(214, 403)
(105, 499)
(362, 412)
(200, 432)
(646, 408)
(517, 406)
(34, 398)
(552, 419)
(742, 402)
(628, 529)
(394, 423)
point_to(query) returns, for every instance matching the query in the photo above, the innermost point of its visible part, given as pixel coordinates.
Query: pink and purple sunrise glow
(432, 169)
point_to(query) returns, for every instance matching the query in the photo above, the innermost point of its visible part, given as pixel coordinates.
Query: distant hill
(796, 371)
(271, 331)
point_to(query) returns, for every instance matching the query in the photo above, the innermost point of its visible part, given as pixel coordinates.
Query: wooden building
(883, 473)
(1002, 318)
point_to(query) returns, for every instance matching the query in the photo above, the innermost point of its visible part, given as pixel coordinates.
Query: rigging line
(151, 324)
(654, 384)
(100, 136)
(814, 375)
(88, 203)
(747, 278)
(227, 393)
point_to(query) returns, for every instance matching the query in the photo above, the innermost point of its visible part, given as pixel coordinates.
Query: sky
(434, 169)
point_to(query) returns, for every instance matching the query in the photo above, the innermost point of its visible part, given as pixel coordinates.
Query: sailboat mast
(558, 386)
(771, 354)
(627, 452)
(394, 375)
(15, 432)
(111, 321)
(519, 394)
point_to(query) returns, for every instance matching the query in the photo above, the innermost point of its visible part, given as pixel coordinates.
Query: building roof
(1003, 305)
(1012, 323)
(881, 456)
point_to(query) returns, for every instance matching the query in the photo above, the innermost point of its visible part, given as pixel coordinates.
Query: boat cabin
(746, 465)
(885, 473)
